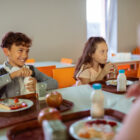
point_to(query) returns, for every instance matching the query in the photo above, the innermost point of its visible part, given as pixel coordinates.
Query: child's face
(17, 55)
(100, 55)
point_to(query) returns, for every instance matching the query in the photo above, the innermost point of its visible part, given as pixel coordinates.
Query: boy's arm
(44, 82)
(4, 80)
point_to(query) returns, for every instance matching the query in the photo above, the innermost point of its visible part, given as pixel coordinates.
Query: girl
(92, 65)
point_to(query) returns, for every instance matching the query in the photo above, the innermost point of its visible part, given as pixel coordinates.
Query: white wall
(57, 27)
(128, 24)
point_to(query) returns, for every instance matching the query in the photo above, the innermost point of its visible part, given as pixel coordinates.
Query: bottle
(97, 101)
(121, 81)
(26, 81)
(54, 130)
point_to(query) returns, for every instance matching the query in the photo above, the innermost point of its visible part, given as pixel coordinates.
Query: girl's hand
(23, 72)
(108, 68)
(32, 85)
(134, 90)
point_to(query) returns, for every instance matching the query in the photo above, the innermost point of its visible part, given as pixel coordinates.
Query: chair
(126, 67)
(64, 76)
(136, 51)
(66, 60)
(128, 71)
(30, 61)
(47, 70)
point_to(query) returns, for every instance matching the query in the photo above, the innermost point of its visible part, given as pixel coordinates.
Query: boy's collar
(7, 64)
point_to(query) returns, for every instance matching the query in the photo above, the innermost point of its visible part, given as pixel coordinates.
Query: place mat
(11, 118)
(113, 89)
(33, 130)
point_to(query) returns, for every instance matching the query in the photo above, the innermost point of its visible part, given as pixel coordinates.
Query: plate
(114, 82)
(28, 102)
(75, 127)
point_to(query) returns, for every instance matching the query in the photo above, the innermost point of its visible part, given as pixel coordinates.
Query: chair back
(136, 51)
(66, 60)
(30, 60)
(128, 71)
(47, 70)
(64, 76)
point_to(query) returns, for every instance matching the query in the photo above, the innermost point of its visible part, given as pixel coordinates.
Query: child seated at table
(16, 47)
(92, 65)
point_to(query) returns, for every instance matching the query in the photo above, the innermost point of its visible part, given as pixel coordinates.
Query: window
(102, 21)
(95, 18)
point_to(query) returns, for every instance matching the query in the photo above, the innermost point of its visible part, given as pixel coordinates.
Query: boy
(12, 74)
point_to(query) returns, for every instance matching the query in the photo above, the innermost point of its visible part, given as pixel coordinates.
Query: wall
(57, 27)
(128, 24)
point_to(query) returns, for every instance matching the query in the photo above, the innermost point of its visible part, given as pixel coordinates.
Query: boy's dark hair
(89, 49)
(16, 38)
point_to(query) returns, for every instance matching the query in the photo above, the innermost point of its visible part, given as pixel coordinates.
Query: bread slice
(4, 106)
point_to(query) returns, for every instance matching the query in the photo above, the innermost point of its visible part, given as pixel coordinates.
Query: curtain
(111, 25)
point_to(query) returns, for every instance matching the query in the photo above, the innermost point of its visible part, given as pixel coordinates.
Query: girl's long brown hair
(89, 49)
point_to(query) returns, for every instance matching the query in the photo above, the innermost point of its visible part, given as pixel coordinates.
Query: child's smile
(18, 55)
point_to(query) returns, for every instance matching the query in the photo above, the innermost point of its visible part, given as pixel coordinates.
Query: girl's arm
(84, 81)
(101, 76)
(106, 70)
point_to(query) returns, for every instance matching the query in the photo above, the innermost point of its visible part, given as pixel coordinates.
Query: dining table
(78, 98)
(49, 63)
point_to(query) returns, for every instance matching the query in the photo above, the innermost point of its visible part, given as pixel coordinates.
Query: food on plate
(12, 104)
(49, 113)
(54, 99)
(111, 82)
(114, 82)
(102, 129)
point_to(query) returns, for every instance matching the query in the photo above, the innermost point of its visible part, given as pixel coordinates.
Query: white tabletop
(123, 59)
(131, 59)
(80, 96)
(50, 63)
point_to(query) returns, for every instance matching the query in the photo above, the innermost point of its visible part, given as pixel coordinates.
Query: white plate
(28, 102)
(79, 124)
(114, 82)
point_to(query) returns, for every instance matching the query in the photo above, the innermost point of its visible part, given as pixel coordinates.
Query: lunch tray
(32, 130)
(111, 88)
(11, 118)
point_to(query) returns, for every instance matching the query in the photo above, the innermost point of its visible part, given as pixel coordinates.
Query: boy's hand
(32, 85)
(23, 72)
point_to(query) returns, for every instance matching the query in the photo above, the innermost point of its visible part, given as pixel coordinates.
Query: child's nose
(25, 55)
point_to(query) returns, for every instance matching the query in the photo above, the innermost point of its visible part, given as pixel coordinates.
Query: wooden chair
(66, 60)
(47, 70)
(64, 76)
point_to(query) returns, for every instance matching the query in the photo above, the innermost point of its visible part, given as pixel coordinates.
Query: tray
(32, 130)
(11, 118)
(66, 105)
(113, 89)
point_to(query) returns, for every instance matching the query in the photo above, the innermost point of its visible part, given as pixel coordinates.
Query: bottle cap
(97, 86)
(121, 71)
